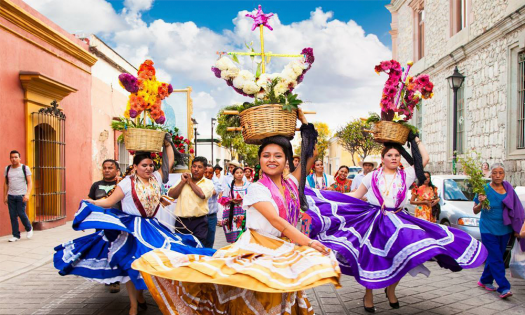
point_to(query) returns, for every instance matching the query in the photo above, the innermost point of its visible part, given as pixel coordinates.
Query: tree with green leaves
(355, 139)
(233, 140)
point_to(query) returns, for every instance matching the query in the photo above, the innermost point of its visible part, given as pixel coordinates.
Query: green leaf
(234, 58)
(259, 70)
(252, 56)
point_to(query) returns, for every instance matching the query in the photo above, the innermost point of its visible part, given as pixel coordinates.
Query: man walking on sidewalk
(99, 190)
(17, 188)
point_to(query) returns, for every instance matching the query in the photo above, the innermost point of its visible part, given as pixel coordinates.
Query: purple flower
(309, 54)
(132, 113)
(229, 82)
(241, 92)
(129, 82)
(217, 72)
(170, 89)
(161, 120)
(300, 78)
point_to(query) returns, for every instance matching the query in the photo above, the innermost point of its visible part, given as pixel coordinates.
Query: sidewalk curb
(33, 266)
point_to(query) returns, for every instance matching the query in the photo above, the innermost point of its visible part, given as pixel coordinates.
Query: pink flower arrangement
(409, 90)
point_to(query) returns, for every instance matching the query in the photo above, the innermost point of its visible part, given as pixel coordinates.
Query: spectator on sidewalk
(100, 189)
(296, 160)
(17, 189)
(319, 180)
(213, 205)
(496, 226)
(193, 192)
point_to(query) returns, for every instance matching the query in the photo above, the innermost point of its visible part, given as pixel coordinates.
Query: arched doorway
(49, 164)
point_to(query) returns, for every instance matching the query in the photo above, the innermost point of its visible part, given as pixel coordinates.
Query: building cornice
(29, 23)
(394, 5)
(503, 27)
(41, 90)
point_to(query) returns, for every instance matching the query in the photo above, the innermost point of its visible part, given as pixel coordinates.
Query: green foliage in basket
(472, 168)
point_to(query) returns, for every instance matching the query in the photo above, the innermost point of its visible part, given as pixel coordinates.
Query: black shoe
(368, 309)
(392, 305)
(143, 306)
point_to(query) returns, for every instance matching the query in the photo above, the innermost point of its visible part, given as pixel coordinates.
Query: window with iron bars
(520, 132)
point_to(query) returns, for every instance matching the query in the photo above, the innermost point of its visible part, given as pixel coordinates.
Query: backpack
(7, 173)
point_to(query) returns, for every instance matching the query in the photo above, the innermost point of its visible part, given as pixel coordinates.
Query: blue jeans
(212, 227)
(495, 266)
(17, 209)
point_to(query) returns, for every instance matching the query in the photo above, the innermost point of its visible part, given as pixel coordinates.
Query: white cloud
(138, 5)
(80, 16)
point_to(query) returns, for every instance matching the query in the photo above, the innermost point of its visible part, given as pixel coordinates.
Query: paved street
(40, 290)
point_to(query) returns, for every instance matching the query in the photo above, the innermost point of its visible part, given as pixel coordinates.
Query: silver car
(456, 200)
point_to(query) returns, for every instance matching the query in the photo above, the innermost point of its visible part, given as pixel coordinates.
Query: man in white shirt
(368, 166)
(17, 189)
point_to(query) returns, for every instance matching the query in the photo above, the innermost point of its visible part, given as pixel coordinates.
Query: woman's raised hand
(301, 117)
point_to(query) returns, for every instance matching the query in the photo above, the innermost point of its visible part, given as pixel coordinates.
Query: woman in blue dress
(123, 236)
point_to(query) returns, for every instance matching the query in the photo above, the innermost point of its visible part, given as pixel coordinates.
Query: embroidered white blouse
(128, 205)
(254, 219)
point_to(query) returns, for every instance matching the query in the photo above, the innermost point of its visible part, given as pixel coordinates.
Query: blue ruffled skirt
(106, 255)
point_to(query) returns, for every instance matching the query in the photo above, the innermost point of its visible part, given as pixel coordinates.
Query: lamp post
(195, 124)
(455, 81)
(213, 120)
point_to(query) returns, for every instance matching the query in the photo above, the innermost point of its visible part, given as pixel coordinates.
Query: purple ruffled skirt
(379, 247)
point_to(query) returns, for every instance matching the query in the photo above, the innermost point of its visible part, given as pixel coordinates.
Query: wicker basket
(144, 140)
(388, 131)
(265, 121)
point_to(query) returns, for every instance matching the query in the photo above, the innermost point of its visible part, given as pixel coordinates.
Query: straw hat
(368, 160)
(235, 163)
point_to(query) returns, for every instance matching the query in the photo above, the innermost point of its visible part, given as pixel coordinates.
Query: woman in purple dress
(378, 243)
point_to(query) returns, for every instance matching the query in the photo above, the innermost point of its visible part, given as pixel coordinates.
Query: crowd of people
(356, 227)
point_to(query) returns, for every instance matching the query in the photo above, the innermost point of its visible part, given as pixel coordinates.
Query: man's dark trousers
(198, 226)
(17, 209)
(212, 227)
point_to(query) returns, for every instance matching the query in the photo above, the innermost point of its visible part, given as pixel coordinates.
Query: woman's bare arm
(117, 196)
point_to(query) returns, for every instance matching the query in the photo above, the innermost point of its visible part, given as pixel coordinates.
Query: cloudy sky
(182, 38)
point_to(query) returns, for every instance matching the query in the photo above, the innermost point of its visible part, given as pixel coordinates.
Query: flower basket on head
(400, 97)
(143, 119)
(274, 108)
(388, 131)
(143, 140)
(265, 121)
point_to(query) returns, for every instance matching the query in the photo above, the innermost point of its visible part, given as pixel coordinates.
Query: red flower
(132, 152)
(192, 151)
(187, 141)
(153, 155)
(182, 151)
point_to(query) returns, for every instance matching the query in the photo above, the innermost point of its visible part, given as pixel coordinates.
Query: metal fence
(49, 163)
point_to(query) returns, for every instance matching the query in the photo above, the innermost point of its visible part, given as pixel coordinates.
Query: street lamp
(213, 120)
(195, 124)
(455, 81)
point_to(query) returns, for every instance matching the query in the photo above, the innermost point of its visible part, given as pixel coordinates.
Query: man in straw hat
(368, 165)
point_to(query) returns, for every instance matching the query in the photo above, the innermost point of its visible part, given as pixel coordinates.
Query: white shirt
(254, 219)
(128, 205)
(394, 186)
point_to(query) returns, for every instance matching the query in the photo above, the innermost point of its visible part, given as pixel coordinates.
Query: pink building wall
(17, 54)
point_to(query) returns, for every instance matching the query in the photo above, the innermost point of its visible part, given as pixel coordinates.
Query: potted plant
(142, 124)
(401, 95)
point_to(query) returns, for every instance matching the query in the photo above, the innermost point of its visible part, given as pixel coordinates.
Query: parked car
(456, 200)
(354, 170)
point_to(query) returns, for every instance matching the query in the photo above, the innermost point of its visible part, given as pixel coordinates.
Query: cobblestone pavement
(43, 291)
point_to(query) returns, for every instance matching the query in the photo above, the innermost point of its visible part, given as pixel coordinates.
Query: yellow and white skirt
(259, 274)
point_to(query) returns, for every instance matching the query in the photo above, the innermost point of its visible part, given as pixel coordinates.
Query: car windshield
(458, 190)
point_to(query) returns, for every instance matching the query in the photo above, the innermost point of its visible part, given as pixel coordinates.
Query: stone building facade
(485, 39)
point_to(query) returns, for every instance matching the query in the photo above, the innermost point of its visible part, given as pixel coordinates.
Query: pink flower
(386, 65)
(423, 80)
(390, 90)
(395, 65)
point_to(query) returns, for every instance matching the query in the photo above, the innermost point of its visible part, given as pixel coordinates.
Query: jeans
(17, 209)
(494, 266)
(212, 226)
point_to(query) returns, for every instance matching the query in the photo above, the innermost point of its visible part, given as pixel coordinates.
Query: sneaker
(30, 234)
(488, 287)
(505, 294)
(13, 239)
